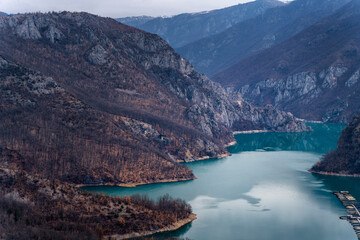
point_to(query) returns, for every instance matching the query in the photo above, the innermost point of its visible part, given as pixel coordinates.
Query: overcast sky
(117, 8)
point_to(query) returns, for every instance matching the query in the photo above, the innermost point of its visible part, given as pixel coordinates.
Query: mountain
(216, 53)
(88, 100)
(314, 75)
(3, 14)
(135, 21)
(345, 159)
(185, 28)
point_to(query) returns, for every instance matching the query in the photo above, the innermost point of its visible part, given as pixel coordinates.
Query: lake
(263, 191)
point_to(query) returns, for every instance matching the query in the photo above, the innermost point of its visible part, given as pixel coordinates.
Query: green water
(263, 191)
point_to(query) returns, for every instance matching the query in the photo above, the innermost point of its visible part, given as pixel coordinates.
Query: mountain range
(215, 53)
(86, 100)
(185, 28)
(314, 75)
(135, 21)
(89, 100)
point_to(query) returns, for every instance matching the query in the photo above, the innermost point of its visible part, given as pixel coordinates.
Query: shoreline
(309, 121)
(170, 228)
(221, 156)
(132, 185)
(335, 174)
(251, 131)
(265, 131)
(233, 143)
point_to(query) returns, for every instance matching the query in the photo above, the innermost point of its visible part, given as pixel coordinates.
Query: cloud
(116, 8)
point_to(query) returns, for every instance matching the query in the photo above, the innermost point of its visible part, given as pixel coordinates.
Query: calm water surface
(263, 191)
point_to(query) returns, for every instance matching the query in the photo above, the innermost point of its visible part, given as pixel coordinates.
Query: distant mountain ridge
(215, 53)
(3, 14)
(315, 74)
(185, 28)
(135, 21)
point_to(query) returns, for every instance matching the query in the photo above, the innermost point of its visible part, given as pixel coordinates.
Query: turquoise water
(262, 191)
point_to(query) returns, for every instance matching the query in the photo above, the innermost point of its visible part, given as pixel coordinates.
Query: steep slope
(314, 75)
(107, 103)
(216, 53)
(135, 21)
(60, 136)
(345, 160)
(35, 208)
(185, 28)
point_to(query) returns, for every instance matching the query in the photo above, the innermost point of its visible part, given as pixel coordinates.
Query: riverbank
(266, 131)
(233, 143)
(170, 228)
(251, 131)
(220, 156)
(334, 174)
(132, 185)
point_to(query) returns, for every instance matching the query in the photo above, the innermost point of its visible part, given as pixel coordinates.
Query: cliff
(345, 159)
(314, 75)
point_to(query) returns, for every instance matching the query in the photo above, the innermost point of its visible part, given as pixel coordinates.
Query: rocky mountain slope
(216, 53)
(345, 160)
(135, 21)
(89, 100)
(314, 75)
(185, 28)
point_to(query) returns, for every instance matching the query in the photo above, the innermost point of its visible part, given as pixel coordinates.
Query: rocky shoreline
(251, 131)
(132, 185)
(170, 228)
(334, 174)
(233, 143)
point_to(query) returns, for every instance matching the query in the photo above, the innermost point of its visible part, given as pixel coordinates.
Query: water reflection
(335, 183)
(323, 139)
(263, 195)
(172, 235)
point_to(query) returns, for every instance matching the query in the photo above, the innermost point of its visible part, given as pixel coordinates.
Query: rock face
(98, 55)
(112, 104)
(346, 158)
(213, 54)
(295, 76)
(185, 28)
(28, 30)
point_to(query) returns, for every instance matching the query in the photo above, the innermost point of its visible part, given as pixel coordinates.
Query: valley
(239, 121)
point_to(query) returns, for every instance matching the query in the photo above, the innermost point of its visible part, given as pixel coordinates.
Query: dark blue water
(263, 191)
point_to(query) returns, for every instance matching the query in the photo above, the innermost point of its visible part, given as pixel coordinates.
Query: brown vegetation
(345, 160)
(34, 208)
(59, 136)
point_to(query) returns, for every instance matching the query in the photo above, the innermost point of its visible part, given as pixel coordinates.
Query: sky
(117, 8)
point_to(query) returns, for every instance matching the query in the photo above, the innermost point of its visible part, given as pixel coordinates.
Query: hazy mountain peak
(184, 28)
(215, 53)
